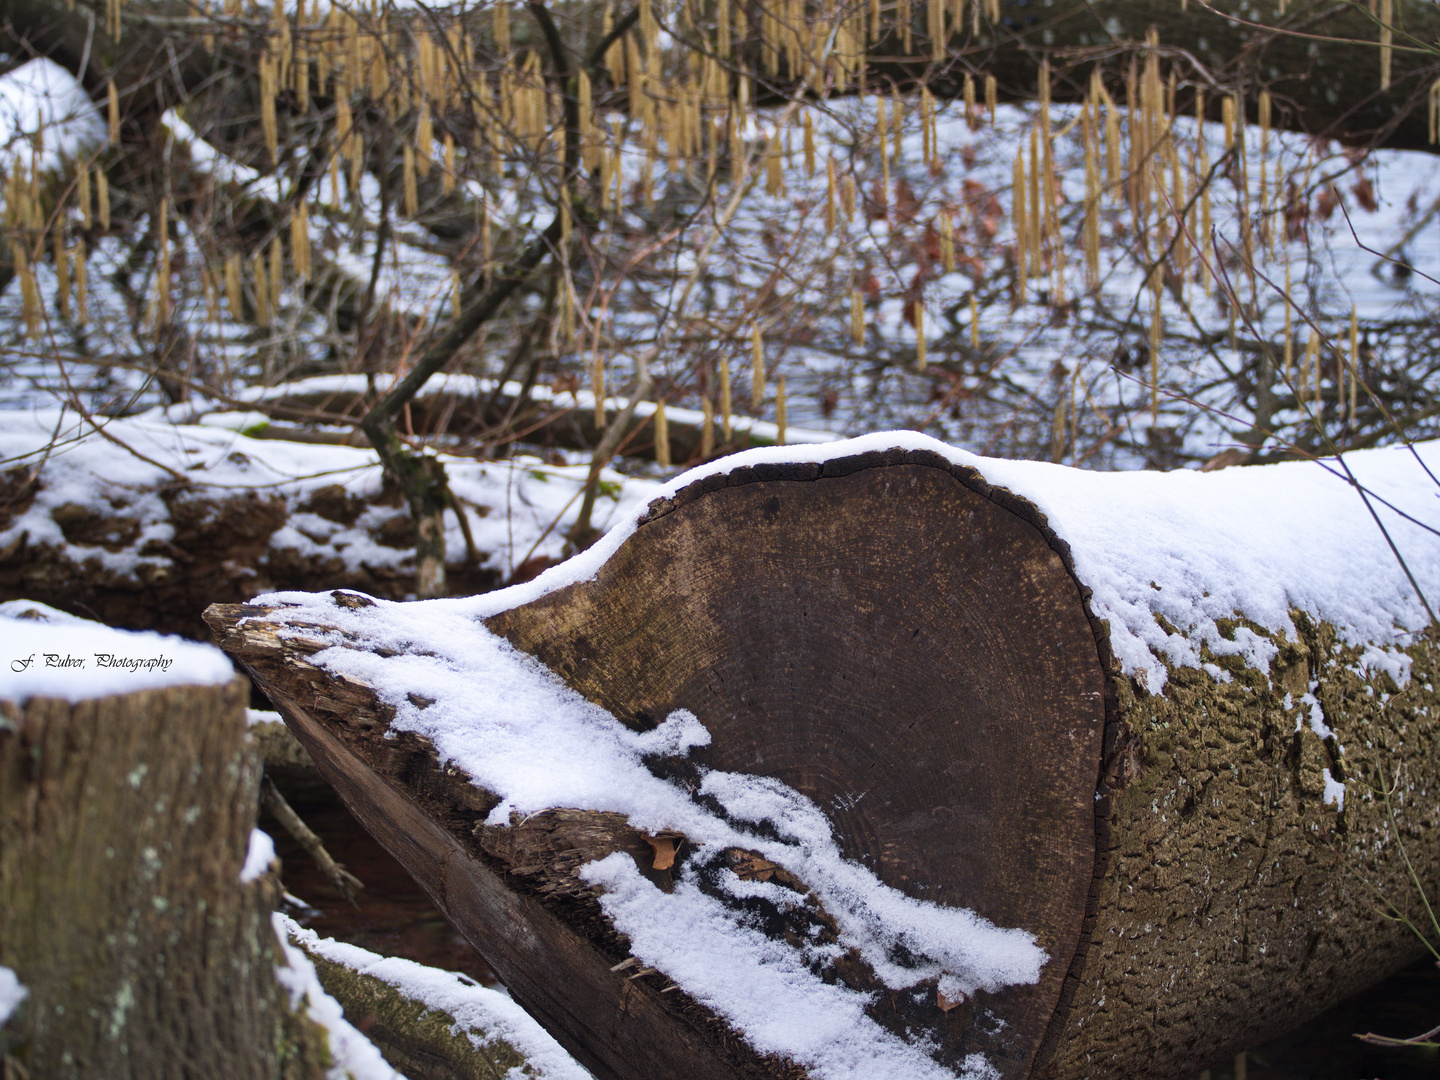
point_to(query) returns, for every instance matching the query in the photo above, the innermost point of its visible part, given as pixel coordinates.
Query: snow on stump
(134, 893)
(883, 759)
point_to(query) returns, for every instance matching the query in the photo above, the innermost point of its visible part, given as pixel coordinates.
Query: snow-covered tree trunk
(897, 632)
(124, 823)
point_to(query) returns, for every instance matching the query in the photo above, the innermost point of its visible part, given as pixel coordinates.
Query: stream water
(395, 917)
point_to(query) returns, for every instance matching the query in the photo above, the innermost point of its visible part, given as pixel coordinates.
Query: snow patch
(1316, 717)
(12, 993)
(40, 98)
(354, 1057)
(761, 986)
(516, 508)
(1334, 792)
(680, 733)
(483, 1014)
(1391, 661)
(259, 854)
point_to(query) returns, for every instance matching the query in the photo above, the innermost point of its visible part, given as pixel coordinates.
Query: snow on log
(885, 759)
(467, 409)
(432, 1023)
(134, 890)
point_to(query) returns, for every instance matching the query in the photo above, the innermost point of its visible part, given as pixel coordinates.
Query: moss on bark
(422, 1042)
(1233, 901)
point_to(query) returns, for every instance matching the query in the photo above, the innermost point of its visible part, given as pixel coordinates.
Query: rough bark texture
(1234, 907)
(123, 827)
(909, 647)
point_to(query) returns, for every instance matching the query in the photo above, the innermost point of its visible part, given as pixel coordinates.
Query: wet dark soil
(396, 918)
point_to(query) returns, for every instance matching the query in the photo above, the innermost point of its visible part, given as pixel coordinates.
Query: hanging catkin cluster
(452, 112)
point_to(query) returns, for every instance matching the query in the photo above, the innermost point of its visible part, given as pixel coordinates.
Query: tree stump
(911, 648)
(124, 823)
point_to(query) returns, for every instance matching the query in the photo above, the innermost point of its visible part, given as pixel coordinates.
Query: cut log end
(901, 648)
(888, 636)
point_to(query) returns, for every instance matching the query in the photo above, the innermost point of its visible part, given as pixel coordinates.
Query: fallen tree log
(463, 414)
(873, 691)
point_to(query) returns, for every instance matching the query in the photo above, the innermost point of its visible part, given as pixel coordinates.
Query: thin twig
(283, 812)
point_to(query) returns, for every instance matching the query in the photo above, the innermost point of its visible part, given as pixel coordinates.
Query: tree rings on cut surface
(903, 645)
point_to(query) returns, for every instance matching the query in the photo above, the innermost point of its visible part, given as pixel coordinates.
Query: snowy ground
(518, 508)
(1058, 370)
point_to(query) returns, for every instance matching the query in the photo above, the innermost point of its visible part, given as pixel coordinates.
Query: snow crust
(47, 653)
(12, 993)
(259, 854)
(1254, 542)
(761, 986)
(1193, 548)
(481, 1013)
(353, 1056)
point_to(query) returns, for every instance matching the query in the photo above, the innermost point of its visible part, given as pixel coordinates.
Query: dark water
(396, 918)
